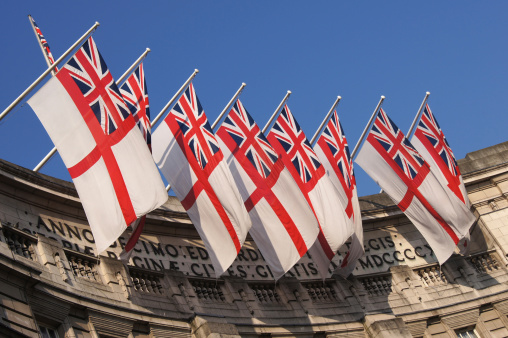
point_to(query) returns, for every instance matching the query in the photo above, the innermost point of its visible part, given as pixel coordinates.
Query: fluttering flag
(283, 224)
(43, 43)
(188, 155)
(391, 160)
(431, 143)
(106, 156)
(290, 142)
(135, 95)
(333, 151)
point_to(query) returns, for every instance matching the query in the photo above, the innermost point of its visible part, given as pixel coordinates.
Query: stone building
(52, 283)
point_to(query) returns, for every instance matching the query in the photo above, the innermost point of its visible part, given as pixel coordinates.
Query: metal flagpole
(238, 92)
(170, 103)
(119, 84)
(276, 111)
(318, 131)
(120, 81)
(48, 61)
(418, 115)
(367, 126)
(53, 66)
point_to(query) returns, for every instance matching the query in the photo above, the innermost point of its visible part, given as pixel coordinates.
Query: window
(47, 332)
(467, 333)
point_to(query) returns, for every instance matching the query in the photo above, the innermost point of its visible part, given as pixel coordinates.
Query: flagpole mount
(223, 112)
(326, 119)
(43, 75)
(172, 100)
(368, 126)
(276, 111)
(418, 116)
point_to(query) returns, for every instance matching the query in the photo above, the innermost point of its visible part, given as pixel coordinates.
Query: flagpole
(418, 115)
(238, 92)
(53, 66)
(367, 126)
(131, 68)
(136, 63)
(318, 131)
(170, 103)
(276, 111)
(48, 61)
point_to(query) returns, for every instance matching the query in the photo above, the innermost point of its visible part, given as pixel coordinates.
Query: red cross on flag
(107, 158)
(135, 95)
(283, 224)
(188, 155)
(431, 143)
(391, 160)
(290, 142)
(333, 151)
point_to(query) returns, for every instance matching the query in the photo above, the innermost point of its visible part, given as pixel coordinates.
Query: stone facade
(52, 282)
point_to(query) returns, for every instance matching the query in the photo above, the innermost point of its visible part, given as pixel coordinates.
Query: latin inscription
(167, 253)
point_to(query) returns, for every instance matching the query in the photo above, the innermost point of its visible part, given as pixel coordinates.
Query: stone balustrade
(321, 291)
(265, 293)
(484, 262)
(377, 285)
(432, 276)
(20, 242)
(83, 266)
(147, 281)
(207, 290)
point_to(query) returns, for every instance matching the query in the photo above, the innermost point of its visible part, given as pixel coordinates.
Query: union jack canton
(334, 139)
(135, 94)
(429, 129)
(43, 42)
(90, 73)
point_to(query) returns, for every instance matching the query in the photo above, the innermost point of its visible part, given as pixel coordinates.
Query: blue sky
(457, 50)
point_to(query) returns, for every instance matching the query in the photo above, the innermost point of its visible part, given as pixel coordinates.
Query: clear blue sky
(457, 50)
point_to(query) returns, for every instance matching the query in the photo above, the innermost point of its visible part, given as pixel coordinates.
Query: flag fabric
(283, 224)
(189, 156)
(135, 95)
(43, 42)
(391, 160)
(431, 143)
(107, 158)
(290, 142)
(333, 152)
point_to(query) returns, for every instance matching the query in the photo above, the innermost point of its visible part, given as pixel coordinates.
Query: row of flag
(291, 196)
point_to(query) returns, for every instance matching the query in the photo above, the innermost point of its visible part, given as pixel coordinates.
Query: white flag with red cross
(188, 155)
(283, 224)
(392, 161)
(290, 142)
(431, 143)
(333, 151)
(96, 136)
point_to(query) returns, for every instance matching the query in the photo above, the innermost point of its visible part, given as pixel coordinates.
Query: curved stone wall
(51, 280)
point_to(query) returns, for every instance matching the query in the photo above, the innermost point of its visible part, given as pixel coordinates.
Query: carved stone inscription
(382, 250)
